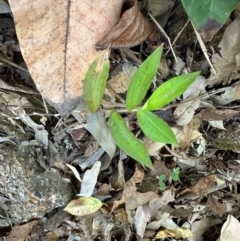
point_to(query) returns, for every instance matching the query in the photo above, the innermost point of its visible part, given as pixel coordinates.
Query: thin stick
(203, 47)
(161, 29)
(7, 61)
(179, 34)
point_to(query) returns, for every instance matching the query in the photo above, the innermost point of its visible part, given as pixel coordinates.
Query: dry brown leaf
(57, 41)
(203, 184)
(157, 203)
(210, 114)
(226, 65)
(139, 199)
(132, 29)
(20, 232)
(188, 133)
(120, 82)
(130, 188)
(153, 147)
(215, 206)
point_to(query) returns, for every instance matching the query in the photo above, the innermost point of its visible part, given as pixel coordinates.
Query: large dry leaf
(57, 40)
(230, 229)
(132, 29)
(227, 65)
(21, 232)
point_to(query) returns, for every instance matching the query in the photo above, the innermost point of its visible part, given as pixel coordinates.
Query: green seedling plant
(152, 126)
(162, 177)
(175, 174)
(161, 182)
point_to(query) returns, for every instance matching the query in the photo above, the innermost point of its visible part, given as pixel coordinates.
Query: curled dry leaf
(132, 29)
(57, 41)
(75, 172)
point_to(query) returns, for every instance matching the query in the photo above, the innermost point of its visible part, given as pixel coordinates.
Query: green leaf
(208, 16)
(94, 83)
(126, 141)
(155, 128)
(169, 90)
(161, 177)
(162, 186)
(175, 174)
(142, 79)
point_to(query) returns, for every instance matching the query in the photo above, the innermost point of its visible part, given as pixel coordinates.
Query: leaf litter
(121, 199)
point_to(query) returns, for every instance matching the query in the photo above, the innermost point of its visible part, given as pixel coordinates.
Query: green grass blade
(155, 128)
(170, 90)
(94, 84)
(126, 141)
(142, 79)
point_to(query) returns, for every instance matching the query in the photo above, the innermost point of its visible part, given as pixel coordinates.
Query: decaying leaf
(208, 15)
(157, 203)
(120, 82)
(153, 147)
(177, 233)
(21, 232)
(226, 65)
(230, 229)
(185, 111)
(210, 114)
(216, 206)
(203, 184)
(130, 189)
(198, 228)
(57, 41)
(230, 94)
(138, 199)
(97, 126)
(188, 133)
(217, 124)
(141, 218)
(75, 172)
(132, 29)
(83, 206)
(90, 180)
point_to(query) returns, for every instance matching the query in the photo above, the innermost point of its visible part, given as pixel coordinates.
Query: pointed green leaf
(94, 83)
(155, 128)
(142, 79)
(170, 90)
(126, 141)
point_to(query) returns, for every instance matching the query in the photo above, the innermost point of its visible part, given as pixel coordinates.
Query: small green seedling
(161, 183)
(175, 174)
(152, 126)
